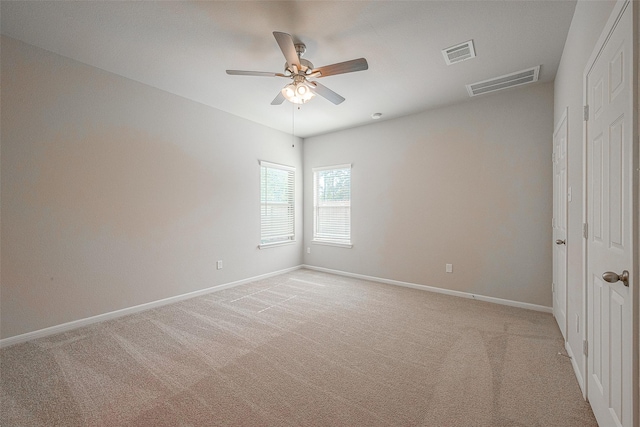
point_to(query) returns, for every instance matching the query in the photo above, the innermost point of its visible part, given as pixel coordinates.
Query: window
(277, 200)
(332, 205)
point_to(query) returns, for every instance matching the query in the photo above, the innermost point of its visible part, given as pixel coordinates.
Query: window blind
(332, 204)
(277, 200)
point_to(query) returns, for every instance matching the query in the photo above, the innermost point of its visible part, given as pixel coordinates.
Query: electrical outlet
(449, 268)
(308, 250)
(219, 265)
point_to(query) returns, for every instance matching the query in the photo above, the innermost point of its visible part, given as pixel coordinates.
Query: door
(609, 136)
(560, 199)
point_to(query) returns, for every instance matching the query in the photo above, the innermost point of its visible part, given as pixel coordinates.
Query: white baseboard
(17, 339)
(501, 301)
(576, 369)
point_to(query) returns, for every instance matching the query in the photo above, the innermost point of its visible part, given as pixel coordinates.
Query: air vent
(503, 82)
(458, 53)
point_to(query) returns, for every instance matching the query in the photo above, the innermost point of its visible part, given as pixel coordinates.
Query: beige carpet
(301, 349)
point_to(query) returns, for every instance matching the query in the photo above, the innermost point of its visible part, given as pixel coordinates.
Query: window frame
(286, 238)
(316, 239)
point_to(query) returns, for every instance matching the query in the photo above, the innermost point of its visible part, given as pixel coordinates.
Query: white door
(560, 200)
(609, 136)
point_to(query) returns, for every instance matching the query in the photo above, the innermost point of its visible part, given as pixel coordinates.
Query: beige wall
(587, 24)
(469, 184)
(116, 194)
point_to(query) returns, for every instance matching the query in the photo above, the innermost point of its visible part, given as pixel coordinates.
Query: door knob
(561, 242)
(611, 277)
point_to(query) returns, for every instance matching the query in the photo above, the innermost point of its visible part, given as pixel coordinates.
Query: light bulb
(298, 93)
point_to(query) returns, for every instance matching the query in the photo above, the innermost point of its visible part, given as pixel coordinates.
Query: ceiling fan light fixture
(289, 91)
(298, 93)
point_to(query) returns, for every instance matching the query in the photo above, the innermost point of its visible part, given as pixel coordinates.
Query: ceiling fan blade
(278, 99)
(288, 48)
(359, 64)
(326, 93)
(254, 73)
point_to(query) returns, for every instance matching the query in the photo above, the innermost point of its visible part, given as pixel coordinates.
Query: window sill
(273, 245)
(330, 243)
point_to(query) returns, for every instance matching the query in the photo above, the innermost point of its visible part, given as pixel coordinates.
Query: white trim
(276, 166)
(273, 245)
(576, 369)
(324, 168)
(607, 31)
(17, 339)
(501, 301)
(584, 323)
(332, 243)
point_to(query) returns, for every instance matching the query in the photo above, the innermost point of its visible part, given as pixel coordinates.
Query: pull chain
(293, 125)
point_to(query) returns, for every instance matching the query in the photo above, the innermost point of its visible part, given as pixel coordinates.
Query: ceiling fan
(300, 71)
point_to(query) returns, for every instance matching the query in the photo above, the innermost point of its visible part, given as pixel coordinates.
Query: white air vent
(509, 80)
(458, 53)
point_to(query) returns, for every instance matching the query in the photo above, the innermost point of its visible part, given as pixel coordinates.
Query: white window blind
(332, 204)
(277, 200)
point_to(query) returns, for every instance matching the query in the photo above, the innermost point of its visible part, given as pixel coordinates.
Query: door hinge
(586, 113)
(585, 230)
(585, 348)
(553, 287)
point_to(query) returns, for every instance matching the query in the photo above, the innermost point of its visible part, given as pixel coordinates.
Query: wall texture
(116, 194)
(588, 21)
(470, 184)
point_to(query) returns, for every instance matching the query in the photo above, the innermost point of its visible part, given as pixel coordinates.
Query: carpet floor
(300, 349)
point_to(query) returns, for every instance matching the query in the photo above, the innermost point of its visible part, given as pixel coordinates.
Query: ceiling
(185, 47)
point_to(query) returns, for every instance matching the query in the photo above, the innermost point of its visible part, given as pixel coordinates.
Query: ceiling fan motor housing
(305, 67)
